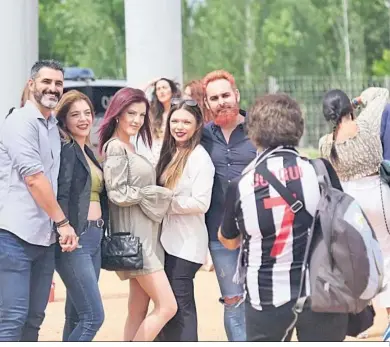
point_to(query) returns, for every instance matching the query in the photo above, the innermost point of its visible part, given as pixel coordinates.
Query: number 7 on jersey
(287, 223)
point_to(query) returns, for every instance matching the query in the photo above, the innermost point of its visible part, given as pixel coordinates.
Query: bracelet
(62, 223)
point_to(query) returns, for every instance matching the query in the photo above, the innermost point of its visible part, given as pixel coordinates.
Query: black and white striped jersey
(274, 237)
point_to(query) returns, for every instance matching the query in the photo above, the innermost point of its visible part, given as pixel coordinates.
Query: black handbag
(121, 251)
(360, 322)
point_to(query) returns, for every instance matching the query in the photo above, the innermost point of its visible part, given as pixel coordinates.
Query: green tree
(88, 33)
(381, 67)
(253, 39)
(282, 37)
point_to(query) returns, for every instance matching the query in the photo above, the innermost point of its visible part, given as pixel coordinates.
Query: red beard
(226, 115)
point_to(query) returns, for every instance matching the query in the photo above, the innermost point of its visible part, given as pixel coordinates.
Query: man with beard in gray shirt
(29, 164)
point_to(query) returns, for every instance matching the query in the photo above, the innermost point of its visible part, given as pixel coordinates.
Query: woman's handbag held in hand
(121, 252)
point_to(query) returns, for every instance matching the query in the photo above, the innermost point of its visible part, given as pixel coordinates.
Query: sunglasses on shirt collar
(188, 102)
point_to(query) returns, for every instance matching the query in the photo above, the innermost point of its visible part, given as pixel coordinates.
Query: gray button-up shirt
(29, 144)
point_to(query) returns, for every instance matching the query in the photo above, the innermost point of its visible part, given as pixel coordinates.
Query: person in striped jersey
(271, 236)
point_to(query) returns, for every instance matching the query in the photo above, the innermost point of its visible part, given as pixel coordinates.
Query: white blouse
(184, 233)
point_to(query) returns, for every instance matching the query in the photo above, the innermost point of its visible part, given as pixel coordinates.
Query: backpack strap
(326, 223)
(309, 221)
(296, 205)
(301, 301)
(321, 170)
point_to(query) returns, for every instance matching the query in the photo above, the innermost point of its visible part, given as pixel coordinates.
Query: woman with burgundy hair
(137, 205)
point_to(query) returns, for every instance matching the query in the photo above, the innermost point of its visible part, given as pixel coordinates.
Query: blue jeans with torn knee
(225, 262)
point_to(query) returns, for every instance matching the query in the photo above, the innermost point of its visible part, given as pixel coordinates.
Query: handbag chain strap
(383, 204)
(128, 164)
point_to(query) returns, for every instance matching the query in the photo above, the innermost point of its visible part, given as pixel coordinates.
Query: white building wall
(19, 48)
(153, 41)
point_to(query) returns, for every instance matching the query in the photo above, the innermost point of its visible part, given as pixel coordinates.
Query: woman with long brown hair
(186, 168)
(137, 206)
(83, 199)
(164, 90)
(355, 150)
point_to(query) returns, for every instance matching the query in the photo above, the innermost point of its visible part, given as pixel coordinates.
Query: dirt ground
(114, 292)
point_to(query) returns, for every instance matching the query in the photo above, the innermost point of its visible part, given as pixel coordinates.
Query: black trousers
(184, 325)
(271, 324)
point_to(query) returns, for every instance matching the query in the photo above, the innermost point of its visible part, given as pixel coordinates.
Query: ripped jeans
(225, 262)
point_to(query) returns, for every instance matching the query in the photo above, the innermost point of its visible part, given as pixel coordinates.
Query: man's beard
(44, 99)
(226, 115)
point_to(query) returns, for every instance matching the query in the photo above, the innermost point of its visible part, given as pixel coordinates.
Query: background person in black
(274, 238)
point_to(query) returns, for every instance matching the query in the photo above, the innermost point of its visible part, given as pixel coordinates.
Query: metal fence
(309, 91)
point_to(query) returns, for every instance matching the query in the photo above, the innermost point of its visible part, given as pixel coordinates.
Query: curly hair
(275, 120)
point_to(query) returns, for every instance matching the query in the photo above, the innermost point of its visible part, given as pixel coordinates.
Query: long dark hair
(335, 106)
(174, 167)
(122, 99)
(157, 108)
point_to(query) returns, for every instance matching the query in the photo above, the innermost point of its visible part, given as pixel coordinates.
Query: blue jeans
(26, 273)
(80, 270)
(225, 262)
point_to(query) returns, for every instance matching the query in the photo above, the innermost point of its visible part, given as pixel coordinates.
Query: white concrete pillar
(19, 48)
(153, 41)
